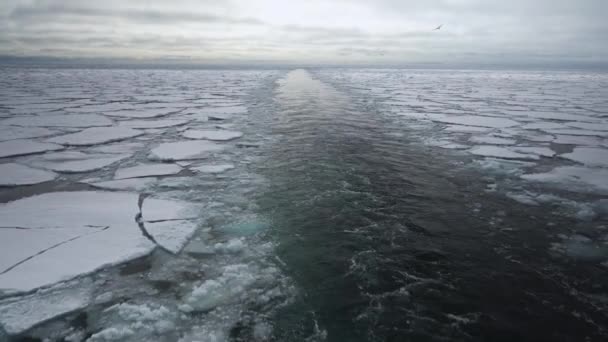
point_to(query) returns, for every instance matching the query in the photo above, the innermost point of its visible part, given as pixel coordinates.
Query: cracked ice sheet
(589, 156)
(12, 174)
(75, 162)
(17, 315)
(60, 120)
(96, 135)
(184, 150)
(89, 212)
(12, 133)
(23, 147)
(146, 170)
(219, 135)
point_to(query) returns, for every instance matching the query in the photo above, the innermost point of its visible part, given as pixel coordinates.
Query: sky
(336, 32)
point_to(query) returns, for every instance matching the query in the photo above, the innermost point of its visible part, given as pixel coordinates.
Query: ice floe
(153, 123)
(13, 132)
(500, 152)
(142, 113)
(75, 162)
(59, 120)
(129, 184)
(212, 168)
(96, 135)
(12, 174)
(219, 135)
(20, 314)
(184, 150)
(21, 147)
(492, 140)
(96, 229)
(590, 156)
(147, 170)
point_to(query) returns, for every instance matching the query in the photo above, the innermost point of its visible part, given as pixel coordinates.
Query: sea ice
(184, 150)
(75, 162)
(15, 174)
(210, 168)
(500, 152)
(220, 135)
(540, 151)
(13, 132)
(224, 110)
(110, 234)
(152, 123)
(96, 135)
(475, 120)
(466, 129)
(574, 178)
(143, 113)
(23, 147)
(491, 140)
(589, 156)
(17, 315)
(578, 140)
(129, 184)
(59, 120)
(147, 170)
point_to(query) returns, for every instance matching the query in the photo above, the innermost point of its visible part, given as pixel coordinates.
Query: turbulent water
(363, 205)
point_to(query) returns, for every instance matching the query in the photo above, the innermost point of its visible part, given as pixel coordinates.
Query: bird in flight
(438, 28)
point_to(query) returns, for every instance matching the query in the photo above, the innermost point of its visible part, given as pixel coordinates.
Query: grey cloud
(38, 12)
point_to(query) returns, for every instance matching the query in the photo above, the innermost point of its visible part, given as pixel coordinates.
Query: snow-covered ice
(219, 135)
(147, 170)
(23, 147)
(97, 229)
(184, 150)
(12, 174)
(96, 135)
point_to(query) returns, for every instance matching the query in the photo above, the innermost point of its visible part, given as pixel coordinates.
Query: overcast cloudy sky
(310, 31)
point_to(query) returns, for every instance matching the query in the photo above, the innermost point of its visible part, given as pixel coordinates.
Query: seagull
(438, 28)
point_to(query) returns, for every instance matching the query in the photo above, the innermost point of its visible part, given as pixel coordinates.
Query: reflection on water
(388, 243)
